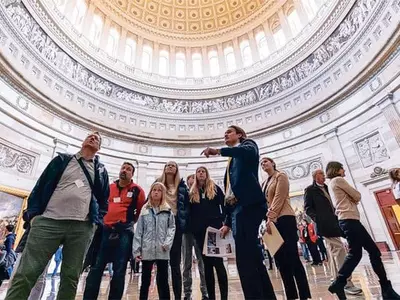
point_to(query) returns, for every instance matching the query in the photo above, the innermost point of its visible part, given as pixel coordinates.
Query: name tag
(117, 199)
(79, 183)
(129, 194)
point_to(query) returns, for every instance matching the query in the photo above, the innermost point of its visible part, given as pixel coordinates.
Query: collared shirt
(71, 198)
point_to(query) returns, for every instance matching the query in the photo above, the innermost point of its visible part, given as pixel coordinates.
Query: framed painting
(12, 204)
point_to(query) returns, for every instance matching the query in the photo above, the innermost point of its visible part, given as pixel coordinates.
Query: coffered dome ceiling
(188, 17)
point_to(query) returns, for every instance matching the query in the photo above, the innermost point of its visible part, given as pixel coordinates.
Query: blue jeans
(304, 251)
(117, 252)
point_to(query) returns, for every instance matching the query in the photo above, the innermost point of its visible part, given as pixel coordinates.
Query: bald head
(318, 176)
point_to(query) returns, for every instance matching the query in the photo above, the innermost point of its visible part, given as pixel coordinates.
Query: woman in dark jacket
(207, 210)
(178, 200)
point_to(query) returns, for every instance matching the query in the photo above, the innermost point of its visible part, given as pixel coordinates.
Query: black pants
(290, 266)
(161, 279)
(116, 251)
(209, 264)
(175, 262)
(358, 237)
(249, 259)
(322, 248)
(312, 247)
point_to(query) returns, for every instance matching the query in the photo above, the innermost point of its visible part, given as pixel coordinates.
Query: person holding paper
(345, 199)
(394, 175)
(207, 210)
(246, 208)
(276, 191)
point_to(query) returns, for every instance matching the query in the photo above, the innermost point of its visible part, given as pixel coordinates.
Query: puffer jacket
(154, 230)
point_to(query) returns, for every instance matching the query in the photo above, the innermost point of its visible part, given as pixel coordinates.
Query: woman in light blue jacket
(153, 240)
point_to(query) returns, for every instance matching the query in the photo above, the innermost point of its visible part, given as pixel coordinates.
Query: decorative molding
(371, 149)
(303, 169)
(16, 160)
(378, 171)
(90, 81)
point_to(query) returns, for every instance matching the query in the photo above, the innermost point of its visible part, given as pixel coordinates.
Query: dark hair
(10, 227)
(333, 168)
(270, 160)
(129, 164)
(190, 176)
(393, 174)
(239, 130)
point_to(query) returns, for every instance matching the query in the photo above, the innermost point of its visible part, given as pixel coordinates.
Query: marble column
(336, 149)
(301, 12)
(138, 53)
(270, 38)
(88, 20)
(386, 105)
(122, 44)
(253, 46)
(238, 53)
(205, 62)
(140, 176)
(104, 34)
(189, 62)
(69, 9)
(221, 59)
(285, 24)
(172, 61)
(156, 58)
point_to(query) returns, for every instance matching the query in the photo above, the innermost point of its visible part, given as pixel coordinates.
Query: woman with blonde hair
(177, 197)
(207, 210)
(345, 199)
(153, 240)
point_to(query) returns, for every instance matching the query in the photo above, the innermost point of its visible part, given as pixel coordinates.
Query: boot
(388, 293)
(337, 288)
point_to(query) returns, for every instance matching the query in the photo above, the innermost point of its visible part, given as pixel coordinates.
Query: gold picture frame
(19, 230)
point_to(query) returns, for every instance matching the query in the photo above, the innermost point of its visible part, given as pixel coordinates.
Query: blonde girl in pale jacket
(153, 240)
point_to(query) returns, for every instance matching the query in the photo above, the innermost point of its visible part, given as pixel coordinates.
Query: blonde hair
(210, 188)
(163, 202)
(163, 178)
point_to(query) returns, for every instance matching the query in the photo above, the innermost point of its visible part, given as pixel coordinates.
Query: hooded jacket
(154, 230)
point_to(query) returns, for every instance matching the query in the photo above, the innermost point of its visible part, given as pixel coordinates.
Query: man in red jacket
(125, 202)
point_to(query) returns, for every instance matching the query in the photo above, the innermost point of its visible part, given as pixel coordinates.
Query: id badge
(117, 199)
(129, 194)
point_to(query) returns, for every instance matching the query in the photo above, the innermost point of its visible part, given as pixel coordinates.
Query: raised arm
(246, 149)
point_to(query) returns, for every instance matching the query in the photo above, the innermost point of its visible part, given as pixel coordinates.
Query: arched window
(130, 49)
(180, 63)
(262, 44)
(310, 7)
(214, 63)
(147, 58)
(197, 65)
(294, 22)
(163, 63)
(230, 59)
(78, 14)
(246, 53)
(95, 29)
(112, 42)
(279, 37)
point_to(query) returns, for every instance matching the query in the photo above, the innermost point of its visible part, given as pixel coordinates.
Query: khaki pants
(337, 254)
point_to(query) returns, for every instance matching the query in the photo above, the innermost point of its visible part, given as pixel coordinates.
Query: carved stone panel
(303, 169)
(371, 149)
(16, 160)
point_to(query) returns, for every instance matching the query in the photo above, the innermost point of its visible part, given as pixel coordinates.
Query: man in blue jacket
(68, 201)
(246, 202)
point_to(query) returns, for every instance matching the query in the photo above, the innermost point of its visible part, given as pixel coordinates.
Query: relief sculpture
(72, 69)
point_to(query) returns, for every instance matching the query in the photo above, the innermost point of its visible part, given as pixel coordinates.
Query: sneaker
(352, 290)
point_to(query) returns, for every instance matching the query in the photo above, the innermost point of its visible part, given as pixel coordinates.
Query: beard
(122, 176)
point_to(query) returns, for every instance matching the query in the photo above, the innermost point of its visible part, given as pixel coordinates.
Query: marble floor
(318, 278)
